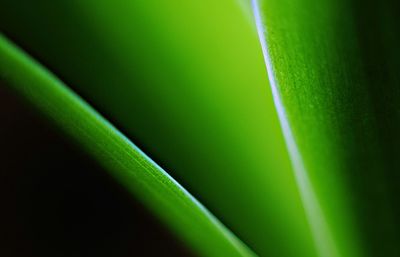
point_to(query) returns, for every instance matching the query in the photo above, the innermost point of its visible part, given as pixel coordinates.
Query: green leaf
(141, 176)
(184, 80)
(333, 69)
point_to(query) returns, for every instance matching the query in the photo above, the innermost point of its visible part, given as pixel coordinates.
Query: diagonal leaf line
(320, 230)
(176, 207)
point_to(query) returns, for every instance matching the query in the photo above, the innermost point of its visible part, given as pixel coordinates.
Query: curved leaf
(141, 176)
(185, 80)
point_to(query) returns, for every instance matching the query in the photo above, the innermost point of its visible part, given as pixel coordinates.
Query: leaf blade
(142, 177)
